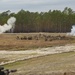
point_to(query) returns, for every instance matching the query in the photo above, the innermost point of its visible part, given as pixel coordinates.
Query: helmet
(1, 67)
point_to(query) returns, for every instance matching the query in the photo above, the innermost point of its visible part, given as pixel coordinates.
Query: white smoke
(9, 26)
(72, 33)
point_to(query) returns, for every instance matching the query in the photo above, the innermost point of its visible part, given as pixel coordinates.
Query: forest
(51, 21)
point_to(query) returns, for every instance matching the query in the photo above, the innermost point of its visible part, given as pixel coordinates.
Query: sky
(36, 5)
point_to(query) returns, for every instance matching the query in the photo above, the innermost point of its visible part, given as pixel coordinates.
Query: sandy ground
(13, 56)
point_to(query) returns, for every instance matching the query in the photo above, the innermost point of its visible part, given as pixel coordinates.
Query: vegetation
(51, 21)
(55, 64)
(33, 40)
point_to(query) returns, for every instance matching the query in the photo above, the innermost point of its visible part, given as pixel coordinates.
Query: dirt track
(13, 56)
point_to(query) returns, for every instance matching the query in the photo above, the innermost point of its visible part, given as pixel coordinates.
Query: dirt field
(13, 56)
(43, 54)
(55, 64)
(38, 40)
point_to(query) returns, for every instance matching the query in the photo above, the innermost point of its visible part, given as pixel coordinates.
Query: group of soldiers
(5, 71)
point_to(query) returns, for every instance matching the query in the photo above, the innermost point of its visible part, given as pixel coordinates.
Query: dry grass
(55, 64)
(10, 41)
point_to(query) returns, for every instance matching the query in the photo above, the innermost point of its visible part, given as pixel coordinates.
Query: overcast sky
(35, 5)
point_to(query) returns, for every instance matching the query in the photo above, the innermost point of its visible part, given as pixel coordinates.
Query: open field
(38, 53)
(55, 64)
(38, 40)
(14, 56)
(44, 61)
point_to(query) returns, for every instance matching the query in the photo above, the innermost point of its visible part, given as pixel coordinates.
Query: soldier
(1, 70)
(6, 71)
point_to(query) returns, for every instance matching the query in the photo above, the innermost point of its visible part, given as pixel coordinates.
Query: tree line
(51, 21)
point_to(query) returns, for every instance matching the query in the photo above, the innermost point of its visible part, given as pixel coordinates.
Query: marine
(6, 71)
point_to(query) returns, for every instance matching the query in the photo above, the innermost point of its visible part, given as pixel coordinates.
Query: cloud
(36, 5)
(29, 1)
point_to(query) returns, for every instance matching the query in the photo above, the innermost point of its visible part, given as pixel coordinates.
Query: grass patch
(54, 62)
(10, 41)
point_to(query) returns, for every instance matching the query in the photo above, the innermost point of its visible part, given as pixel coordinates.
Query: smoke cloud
(9, 26)
(72, 33)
